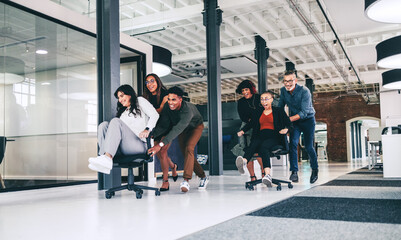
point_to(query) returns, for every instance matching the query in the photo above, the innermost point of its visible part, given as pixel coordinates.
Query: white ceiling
(277, 22)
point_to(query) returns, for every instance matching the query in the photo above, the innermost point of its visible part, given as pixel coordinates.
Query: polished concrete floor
(82, 212)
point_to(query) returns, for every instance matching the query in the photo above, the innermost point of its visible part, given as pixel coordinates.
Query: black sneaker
(294, 176)
(313, 176)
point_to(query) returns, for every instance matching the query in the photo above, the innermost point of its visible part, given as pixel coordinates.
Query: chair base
(251, 184)
(131, 186)
(138, 189)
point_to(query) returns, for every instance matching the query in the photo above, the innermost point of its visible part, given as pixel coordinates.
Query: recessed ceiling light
(41, 51)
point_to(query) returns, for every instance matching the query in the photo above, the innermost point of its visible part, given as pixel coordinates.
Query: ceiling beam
(184, 13)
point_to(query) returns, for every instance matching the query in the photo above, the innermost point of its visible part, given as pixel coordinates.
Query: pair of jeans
(307, 126)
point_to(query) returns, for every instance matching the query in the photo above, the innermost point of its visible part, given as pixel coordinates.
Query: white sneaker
(102, 161)
(203, 183)
(184, 186)
(267, 180)
(240, 162)
(98, 168)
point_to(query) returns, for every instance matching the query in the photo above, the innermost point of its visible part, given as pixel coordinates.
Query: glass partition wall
(48, 106)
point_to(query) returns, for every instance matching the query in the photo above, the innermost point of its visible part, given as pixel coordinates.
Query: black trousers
(263, 145)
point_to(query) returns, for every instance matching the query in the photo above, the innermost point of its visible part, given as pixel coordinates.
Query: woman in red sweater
(270, 125)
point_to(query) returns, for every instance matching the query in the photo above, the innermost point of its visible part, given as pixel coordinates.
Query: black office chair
(131, 162)
(277, 151)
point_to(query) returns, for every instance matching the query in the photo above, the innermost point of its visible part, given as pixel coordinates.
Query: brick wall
(335, 109)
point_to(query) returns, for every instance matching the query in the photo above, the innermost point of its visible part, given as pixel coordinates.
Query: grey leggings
(117, 136)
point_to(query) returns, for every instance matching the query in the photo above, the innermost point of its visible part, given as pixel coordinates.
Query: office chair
(277, 151)
(131, 162)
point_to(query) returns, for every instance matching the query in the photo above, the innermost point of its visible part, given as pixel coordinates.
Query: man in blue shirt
(302, 115)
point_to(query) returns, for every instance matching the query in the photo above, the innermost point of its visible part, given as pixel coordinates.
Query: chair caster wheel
(250, 188)
(157, 193)
(109, 194)
(140, 191)
(290, 185)
(138, 195)
(279, 188)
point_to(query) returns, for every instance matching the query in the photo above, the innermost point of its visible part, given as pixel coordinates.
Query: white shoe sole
(101, 162)
(267, 182)
(239, 162)
(98, 168)
(184, 188)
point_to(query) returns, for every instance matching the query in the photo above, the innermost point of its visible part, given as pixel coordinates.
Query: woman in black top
(270, 126)
(246, 106)
(155, 92)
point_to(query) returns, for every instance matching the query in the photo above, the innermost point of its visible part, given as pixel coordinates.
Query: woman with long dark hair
(127, 132)
(155, 92)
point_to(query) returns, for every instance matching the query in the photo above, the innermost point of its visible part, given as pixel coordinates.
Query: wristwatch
(161, 144)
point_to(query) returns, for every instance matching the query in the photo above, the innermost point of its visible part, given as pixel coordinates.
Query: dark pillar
(359, 125)
(356, 139)
(353, 140)
(289, 65)
(261, 55)
(309, 84)
(108, 71)
(212, 18)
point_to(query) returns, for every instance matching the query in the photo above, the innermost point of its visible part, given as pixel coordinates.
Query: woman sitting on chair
(127, 132)
(270, 125)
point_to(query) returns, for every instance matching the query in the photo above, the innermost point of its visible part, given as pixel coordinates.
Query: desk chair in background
(131, 162)
(277, 151)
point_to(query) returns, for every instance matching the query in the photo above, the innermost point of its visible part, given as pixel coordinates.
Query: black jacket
(280, 121)
(246, 107)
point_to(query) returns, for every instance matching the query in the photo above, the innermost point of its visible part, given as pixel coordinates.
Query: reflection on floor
(82, 212)
(18, 185)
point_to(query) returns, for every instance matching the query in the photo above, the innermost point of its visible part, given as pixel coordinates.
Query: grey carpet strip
(353, 192)
(367, 172)
(246, 227)
(341, 209)
(365, 183)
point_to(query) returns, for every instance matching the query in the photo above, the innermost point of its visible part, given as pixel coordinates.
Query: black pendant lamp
(392, 79)
(389, 53)
(386, 11)
(161, 61)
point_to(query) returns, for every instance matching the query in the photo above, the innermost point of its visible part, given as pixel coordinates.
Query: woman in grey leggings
(127, 132)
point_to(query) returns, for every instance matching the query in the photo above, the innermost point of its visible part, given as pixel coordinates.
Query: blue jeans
(307, 126)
